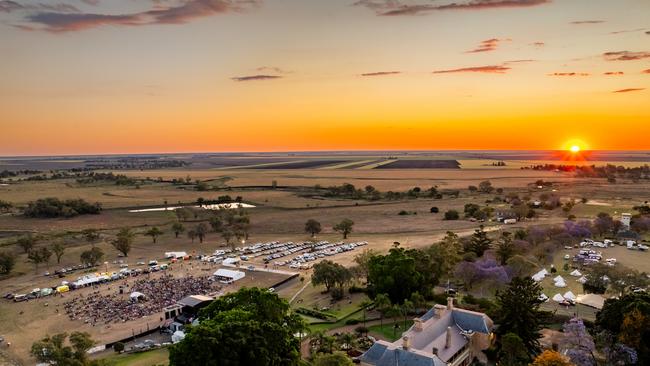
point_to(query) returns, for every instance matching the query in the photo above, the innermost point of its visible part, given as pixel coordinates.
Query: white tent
(558, 278)
(231, 261)
(569, 295)
(559, 282)
(593, 300)
(576, 273)
(228, 275)
(543, 297)
(582, 279)
(540, 275)
(178, 336)
(136, 295)
(558, 298)
(175, 254)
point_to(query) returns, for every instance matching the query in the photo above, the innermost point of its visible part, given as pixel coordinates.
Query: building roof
(194, 300)
(430, 332)
(229, 273)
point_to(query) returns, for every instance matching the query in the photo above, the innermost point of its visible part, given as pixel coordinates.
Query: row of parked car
(325, 250)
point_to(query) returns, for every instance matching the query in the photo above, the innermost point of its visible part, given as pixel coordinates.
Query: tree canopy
(249, 327)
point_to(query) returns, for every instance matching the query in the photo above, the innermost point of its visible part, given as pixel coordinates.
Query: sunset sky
(140, 76)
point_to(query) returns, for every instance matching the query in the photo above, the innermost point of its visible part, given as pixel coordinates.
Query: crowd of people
(97, 308)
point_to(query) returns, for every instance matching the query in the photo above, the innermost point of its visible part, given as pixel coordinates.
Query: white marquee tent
(540, 275)
(576, 273)
(558, 298)
(569, 295)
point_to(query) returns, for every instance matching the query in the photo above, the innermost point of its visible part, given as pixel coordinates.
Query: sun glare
(575, 149)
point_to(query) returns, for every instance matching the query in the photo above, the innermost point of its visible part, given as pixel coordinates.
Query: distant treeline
(135, 163)
(592, 171)
(9, 174)
(349, 191)
(54, 207)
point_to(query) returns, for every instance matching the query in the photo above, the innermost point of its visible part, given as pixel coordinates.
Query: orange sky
(210, 75)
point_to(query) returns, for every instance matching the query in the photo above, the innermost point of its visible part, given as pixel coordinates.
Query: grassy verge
(149, 358)
(388, 330)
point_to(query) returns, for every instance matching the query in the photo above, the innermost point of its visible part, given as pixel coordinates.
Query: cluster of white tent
(568, 296)
(558, 281)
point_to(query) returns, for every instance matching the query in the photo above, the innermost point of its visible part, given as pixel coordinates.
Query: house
(444, 336)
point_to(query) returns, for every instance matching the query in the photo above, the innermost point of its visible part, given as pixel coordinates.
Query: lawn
(388, 330)
(155, 357)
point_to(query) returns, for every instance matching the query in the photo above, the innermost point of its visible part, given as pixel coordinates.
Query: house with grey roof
(444, 336)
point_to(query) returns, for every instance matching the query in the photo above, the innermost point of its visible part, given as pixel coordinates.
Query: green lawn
(150, 358)
(388, 331)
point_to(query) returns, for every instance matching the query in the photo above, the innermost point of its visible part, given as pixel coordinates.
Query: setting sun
(575, 148)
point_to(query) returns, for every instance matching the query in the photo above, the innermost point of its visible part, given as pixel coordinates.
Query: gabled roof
(386, 354)
(471, 321)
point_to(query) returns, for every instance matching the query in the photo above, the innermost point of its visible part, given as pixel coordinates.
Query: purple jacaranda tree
(578, 344)
(578, 230)
(486, 271)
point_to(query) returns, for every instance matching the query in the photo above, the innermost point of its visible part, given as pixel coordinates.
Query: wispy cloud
(488, 45)
(490, 69)
(569, 74)
(613, 73)
(538, 44)
(255, 77)
(629, 31)
(625, 56)
(178, 12)
(646, 71)
(381, 73)
(519, 61)
(274, 69)
(582, 22)
(9, 6)
(401, 7)
(628, 90)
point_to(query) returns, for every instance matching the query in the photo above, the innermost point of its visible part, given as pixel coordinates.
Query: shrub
(313, 313)
(118, 347)
(357, 289)
(352, 322)
(54, 207)
(452, 215)
(403, 213)
(434, 209)
(337, 293)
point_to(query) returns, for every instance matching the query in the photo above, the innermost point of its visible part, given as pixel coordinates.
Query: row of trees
(370, 193)
(53, 207)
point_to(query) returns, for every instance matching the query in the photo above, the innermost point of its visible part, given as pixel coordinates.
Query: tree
(577, 343)
(191, 234)
(177, 228)
(90, 235)
(479, 242)
(332, 359)
(406, 308)
(123, 240)
(216, 223)
(330, 274)
(519, 312)
(251, 327)
(485, 187)
(26, 243)
(452, 215)
(382, 302)
(397, 274)
(154, 233)
(513, 351)
(92, 256)
(312, 227)
(505, 248)
(344, 227)
(39, 255)
(58, 249)
(363, 260)
(7, 262)
(472, 189)
(604, 223)
(227, 235)
(118, 347)
(52, 349)
(201, 230)
(551, 358)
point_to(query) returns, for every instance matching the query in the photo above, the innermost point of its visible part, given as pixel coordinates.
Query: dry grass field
(280, 215)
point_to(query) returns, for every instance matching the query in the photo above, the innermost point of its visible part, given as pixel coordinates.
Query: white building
(228, 275)
(444, 336)
(625, 219)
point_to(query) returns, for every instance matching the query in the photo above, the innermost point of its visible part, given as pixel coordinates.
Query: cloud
(569, 74)
(91, 2)
(625, 56)
(538, 44)
(629, 31)
(488, 45)
(628, 90)
(381, 73)
(581, 22)
(401, 7)
(181, 11)
(9, 6)
(519, 61)
(646, 71)
(274, 69)
(491, 69)
(613, 73)
(255, 77)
